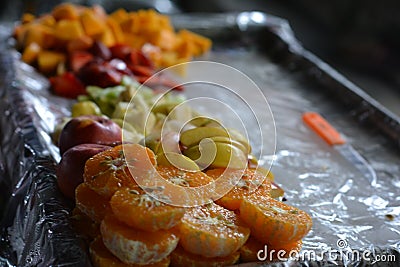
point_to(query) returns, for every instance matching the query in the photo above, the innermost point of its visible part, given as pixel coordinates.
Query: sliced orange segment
(184, 178)
(254, 250)
(102, 257)
(182, 258)
(212, 231)
(108, 171)
(186, 188)
(251, 182)
(274, 222)
(91, 203)
(136, 208)
(133, 246)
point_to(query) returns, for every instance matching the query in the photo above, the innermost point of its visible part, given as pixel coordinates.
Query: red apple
(72, 164)
(89, 129)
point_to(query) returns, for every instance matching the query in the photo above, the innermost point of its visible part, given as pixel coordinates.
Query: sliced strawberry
(159, 83)
(78, 59)
(101, 50)
(100, 73)
(141, 70)
(138, 58)
(67, 85)
(120, 51)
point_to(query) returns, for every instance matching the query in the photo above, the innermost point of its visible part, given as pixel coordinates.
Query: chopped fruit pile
(231, 209)
(80, 46)
(135, 229)
(130, 226)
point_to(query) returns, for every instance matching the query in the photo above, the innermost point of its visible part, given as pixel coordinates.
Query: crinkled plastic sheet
(35, 228)
(315, 177)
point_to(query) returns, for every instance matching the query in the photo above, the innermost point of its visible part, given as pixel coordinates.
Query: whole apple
(71, 167)
(89, 129)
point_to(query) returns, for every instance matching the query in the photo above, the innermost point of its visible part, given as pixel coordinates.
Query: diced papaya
(119, 16)
(91, 23)
(116, 30)
(165, 39)
(202, 44)
(68, 29)
(49, 60)
(126, 25)
(107, 37)
(80, 44)
(27, 17)
(31, 53)
(134, 41)
(39, 34)
(65, 11)
(47, 20)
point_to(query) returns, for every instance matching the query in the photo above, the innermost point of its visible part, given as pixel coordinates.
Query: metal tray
(35, 228)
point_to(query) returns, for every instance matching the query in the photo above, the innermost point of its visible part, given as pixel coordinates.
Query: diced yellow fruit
(202, 44)
(31, 53)
(106, 37)
(116, 30)
(80, 44)
(184, 48)
(39, 34)
(65, 11)
(91, 23)
(165, 39)
(165, 23)
(27, 17)
(119, 16)
(68, 29)
(134, 41)
(49, 60)
(47, 20)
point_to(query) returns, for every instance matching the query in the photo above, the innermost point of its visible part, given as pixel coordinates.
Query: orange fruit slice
(102, 257)
(133, 246)
(108, 171)
(182, 258)
(212, 231)
(274, 222)
(136, 208)
(91, 203)
(253, 251)
(184, 178)
(251, 182)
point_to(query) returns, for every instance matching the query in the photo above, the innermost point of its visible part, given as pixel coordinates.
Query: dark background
(360, 38)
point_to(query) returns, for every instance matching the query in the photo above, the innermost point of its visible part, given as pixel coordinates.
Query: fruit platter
(145, 140)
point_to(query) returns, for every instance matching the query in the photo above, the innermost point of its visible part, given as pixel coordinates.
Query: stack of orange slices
(135, 229)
